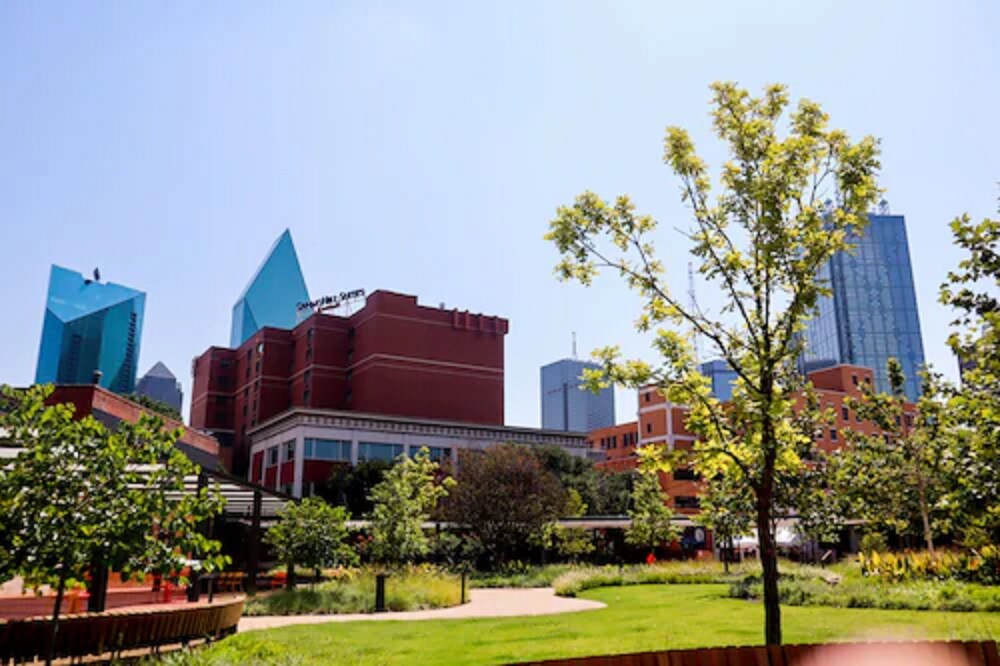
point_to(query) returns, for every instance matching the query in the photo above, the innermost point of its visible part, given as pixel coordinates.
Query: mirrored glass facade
(89, 326)
(160, 384)
(272, 295)
(872, 314)
(567, 406)
(722, 377)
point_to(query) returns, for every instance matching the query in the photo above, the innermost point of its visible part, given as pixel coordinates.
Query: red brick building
(392, 357)
(661, 422)
(111, 409)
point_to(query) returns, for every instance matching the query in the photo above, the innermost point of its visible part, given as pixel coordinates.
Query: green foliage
(579, 579)
(80, 496)
(873, 542)
(978, 566)
(520, 574)
(311, 534)
(918, 595)
(603, 493)
(154, 405)
(972, 290)
(403, 500)
(506, 498)
(250, 651)
(407, 588)
(570, 543)
(900, 478)
(760, 243)
(650, 515)
(351, 486)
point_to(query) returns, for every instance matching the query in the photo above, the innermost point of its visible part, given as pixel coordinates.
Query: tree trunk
(55, 619)
(727, 548)
(768, 553)
(925, 516)
(290, 577)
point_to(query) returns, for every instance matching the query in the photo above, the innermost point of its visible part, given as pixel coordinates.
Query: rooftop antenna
(574, 344)
(97, 275)
(883, 207)
(693, 304)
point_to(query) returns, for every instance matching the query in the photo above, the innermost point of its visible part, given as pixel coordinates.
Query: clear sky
(423, 147)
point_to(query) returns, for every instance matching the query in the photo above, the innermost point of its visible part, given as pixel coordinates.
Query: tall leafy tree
(311, 534)
(403, 501)
(973, 291)
(760, 243)
(80, 497)
(651, 517)
(727, 508)
(505, 498)
(898, 477)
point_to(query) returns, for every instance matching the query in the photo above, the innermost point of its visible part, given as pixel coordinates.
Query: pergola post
(253, 557)
(194, 584)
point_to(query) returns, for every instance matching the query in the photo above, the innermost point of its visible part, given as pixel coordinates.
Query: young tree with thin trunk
(311, 534)
(80, 497)
(651, 518)
(761, 244)
(898, 477)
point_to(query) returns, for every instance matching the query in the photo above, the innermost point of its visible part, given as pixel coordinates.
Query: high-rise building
(722, 377)
(872, 314)
(160, 384)
(392, 357)
(273, 294)
(90, 326)
(566, 405)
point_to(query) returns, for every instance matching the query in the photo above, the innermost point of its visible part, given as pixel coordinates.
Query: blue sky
(423, 147)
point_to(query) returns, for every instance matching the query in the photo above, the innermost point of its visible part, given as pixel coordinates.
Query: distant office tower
(160, 384)
(722, 377)
(872, 314)
(90, 326)
(272, 295)
(566, 406)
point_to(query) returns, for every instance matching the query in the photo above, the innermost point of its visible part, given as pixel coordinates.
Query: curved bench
(118, 631)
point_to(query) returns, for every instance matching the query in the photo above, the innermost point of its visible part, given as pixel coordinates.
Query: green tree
(311, 534)
(571, 543)
(403, 501)
(505, 498)
(80, 497)
(727, 508)
(154, 405)
(898, 477)
(651, 517)
(351, 486)
(603, 493)
(973, 290)
(761, 244)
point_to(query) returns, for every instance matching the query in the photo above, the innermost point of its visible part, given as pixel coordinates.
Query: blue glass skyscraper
(722, 377)
(566, 406)
(274, 292)
(872, 314)
(90, 326)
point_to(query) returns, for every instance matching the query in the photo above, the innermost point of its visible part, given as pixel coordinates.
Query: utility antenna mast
(574, 345)
(693, 304)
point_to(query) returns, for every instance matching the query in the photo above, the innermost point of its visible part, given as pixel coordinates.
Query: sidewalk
(482, 603)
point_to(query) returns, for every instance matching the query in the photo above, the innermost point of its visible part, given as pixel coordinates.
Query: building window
(328, 449)
(290, 450)
(687, 502)
(845, 413)
(854, 379)
(685, 474)
(305, 396)
(378, 451)
(260, 347)
(272, 456)
(833, 434)
(649, 396)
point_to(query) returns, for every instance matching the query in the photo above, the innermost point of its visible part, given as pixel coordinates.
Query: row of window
(340, 450)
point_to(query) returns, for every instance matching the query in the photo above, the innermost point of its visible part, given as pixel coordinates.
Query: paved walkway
(482, 603)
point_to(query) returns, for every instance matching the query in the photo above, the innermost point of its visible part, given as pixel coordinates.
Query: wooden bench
(117, 631)
(959, 653)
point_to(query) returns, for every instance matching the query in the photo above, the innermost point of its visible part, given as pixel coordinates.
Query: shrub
(411, 588)
(978, 566)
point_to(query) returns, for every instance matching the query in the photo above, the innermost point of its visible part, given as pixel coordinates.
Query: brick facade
(392, 357)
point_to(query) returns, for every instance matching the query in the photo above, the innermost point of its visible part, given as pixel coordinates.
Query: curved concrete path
(482, 603)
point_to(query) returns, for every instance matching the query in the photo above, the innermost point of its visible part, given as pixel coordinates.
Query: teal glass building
(90, 326)
(273, 295)
(872, 314)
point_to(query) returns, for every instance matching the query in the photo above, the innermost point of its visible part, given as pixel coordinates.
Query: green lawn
(644, 617)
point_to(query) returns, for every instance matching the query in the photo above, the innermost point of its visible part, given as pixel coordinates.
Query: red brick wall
(393, 357)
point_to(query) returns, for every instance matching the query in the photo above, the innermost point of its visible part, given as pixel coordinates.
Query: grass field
(644, 617)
